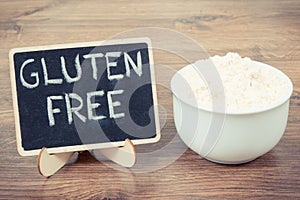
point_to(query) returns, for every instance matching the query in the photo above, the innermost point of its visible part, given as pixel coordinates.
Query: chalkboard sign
(75, 97)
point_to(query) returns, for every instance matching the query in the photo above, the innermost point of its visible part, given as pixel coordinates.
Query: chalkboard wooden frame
(82, 147)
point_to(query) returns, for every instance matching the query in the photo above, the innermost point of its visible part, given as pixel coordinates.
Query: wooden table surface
(264, 30)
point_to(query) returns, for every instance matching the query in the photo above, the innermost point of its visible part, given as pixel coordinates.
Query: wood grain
(265, 30)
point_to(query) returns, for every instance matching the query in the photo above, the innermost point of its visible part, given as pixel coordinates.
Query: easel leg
(49, 164)
(124, 156)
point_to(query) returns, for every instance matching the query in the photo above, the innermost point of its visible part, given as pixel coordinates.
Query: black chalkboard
(74, 97)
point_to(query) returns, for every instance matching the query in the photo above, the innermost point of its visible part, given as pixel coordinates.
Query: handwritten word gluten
(34, 80)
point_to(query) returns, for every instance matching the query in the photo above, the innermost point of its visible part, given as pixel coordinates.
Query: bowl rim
(273, 105)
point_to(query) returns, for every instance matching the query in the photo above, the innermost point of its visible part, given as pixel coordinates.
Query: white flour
(246, 86)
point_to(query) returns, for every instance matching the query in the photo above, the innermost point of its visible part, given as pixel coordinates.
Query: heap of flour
(244, 85)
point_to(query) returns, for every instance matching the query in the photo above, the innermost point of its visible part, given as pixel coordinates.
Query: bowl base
(229, 163)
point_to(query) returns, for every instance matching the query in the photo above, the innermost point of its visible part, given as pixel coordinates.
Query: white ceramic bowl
(230, 138)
